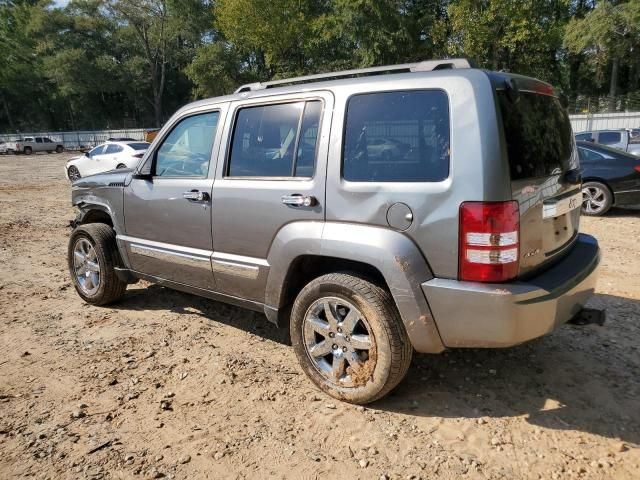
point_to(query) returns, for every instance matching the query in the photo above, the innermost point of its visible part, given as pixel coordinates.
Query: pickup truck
(29, 145)
(620, 139)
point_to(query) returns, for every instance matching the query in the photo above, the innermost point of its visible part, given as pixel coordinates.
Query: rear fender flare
(393, 254)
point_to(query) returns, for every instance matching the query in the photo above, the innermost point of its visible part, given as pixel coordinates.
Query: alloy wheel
(86, 266)
(74, 174)
(594, 199)
(339, 342)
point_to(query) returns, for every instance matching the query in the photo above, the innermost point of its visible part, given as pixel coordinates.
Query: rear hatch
(544, 166)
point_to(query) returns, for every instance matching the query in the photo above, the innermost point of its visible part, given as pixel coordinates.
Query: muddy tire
(349, 338)
(92, 256)
(27, 151)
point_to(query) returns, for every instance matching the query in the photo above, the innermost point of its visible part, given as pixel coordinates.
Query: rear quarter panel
(477, 171)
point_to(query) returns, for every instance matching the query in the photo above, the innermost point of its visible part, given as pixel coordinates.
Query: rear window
(397, 137)
(139, 146)
(538, 135)
(609, 138)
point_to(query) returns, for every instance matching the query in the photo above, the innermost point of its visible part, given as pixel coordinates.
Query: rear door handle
(196, 196)
(299, 200)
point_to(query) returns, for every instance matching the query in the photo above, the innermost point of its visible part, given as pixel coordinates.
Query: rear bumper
(472, 314)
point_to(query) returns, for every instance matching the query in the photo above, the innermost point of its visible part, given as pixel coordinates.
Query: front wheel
(349, 338)
(120, 165)
(596, 199)
(28, 150)
(92, 257)
(74, 173)
(59, 149)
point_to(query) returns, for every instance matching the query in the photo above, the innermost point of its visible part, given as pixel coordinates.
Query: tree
(522, 36)
(609, 36)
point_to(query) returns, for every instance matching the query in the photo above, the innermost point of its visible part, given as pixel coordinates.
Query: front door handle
(196, 196)
(299, 200)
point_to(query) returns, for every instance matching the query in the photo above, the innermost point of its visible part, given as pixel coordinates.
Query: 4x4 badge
(531, 253)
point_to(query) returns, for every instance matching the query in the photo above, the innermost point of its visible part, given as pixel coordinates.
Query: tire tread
(380, 300)
(104, 239)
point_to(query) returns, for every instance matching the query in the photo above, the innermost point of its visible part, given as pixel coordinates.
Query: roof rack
(424, 66)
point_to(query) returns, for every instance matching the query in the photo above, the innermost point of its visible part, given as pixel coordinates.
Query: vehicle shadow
(156, 297)
(617, 212)
(578, 378)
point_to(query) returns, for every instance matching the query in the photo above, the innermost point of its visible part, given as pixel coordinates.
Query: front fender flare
(392, 253)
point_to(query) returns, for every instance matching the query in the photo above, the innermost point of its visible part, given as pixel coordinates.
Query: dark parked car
(610, 176)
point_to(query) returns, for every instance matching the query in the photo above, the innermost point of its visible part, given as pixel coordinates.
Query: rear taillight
(637, 168)
(489, 241)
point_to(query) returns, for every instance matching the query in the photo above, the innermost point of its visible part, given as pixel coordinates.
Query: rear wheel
(74, 173)
(596, 199)
(92, 257)
(349, 338)
(27, 151)
(59, 149)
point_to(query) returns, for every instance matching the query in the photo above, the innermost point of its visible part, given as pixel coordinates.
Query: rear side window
(609, 138)
(113, 148)
(397, 137)
(275, 140)
(139, 146)
(538, 135)
(589, 155)
(587, 137)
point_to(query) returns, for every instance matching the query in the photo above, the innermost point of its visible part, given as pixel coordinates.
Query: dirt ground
(165, 384)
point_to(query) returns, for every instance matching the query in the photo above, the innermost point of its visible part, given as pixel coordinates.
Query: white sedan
(105, 157)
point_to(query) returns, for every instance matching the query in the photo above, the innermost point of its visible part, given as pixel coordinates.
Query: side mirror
(142, 176)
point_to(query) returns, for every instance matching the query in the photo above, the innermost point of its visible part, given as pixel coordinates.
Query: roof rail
(424, 66)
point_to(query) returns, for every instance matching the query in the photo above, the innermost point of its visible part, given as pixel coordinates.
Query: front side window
(38, 139)
(397, 137)
(186, 151)
(47, 140)
(609, 138)
(96, 151)
(275, 140)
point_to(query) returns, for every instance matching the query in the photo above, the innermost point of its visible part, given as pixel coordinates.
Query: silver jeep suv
(375, 212)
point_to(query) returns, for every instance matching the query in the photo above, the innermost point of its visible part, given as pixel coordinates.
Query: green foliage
(116, 63)
(609, 38)
(522, 36)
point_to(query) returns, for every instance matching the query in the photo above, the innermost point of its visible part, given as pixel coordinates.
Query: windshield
(538, 135)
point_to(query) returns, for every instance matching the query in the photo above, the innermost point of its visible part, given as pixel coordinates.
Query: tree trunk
(613, 89)
(7, 113)
(157, 109)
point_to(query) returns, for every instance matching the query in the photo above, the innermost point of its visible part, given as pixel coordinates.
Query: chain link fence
(591, 105)
(81, 139)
